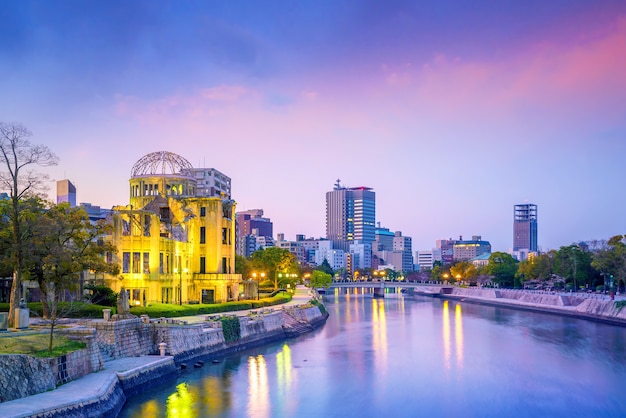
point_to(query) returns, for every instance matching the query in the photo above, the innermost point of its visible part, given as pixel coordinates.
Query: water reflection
(379, 335)
(447, 335)
(458, 333)
(180, 403)
(406, 358)
(258, 389)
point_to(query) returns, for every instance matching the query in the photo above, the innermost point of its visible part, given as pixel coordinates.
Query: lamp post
(257, 277)
(180, 286)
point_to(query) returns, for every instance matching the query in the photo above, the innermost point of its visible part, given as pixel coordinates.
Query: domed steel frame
(160, 163)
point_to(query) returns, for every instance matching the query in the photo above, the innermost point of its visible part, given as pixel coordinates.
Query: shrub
(231, 328)
(319, 305)
(102, 295)
(161, 310)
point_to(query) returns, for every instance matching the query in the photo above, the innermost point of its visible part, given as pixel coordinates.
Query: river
(411, 357)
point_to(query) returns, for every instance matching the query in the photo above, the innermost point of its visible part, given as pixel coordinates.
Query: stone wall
(604, 308)
(139, 379)
(125, 338)
(185, 341)
(24, 375)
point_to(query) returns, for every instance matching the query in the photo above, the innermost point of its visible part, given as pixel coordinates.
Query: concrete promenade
(86, 390)
(93, 387)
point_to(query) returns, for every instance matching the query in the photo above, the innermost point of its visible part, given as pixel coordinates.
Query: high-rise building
(350, 215)
(525, 227)
(66, 192)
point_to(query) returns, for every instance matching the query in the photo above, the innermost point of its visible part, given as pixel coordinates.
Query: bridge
(380, 286)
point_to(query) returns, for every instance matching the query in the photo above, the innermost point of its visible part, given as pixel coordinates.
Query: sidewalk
(93, 387)
(86, 390)
(300, 296)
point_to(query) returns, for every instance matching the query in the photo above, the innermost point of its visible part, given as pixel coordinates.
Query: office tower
(66, 192)
(350, 215)
(525, 227)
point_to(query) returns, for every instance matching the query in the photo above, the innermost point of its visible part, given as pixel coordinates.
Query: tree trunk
(14, 304)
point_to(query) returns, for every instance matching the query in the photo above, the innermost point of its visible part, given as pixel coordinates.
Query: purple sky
(453, 111)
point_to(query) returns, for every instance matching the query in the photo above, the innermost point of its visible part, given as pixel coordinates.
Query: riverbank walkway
(93, 386)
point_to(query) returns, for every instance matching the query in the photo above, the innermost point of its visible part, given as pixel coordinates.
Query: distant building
(360, 256)
(209, 182)
(446, 246)
(335, 257)
(350, 215)
(425, 259)
(252, 223)
(467, 250)
(525, 228)
(66, 192)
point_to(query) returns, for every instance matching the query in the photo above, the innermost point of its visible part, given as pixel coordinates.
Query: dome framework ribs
(160, 163)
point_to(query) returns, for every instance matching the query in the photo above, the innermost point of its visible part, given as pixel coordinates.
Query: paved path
(94, 385)
(84, 390)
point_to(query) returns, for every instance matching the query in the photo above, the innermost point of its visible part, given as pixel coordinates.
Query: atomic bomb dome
(160, 163)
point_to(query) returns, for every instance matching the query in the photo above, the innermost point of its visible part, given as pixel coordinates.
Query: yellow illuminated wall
(171, 241)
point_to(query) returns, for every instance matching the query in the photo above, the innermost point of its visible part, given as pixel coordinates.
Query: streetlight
(260, 275)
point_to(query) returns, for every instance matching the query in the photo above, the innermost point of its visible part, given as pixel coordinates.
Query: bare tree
(18, 155)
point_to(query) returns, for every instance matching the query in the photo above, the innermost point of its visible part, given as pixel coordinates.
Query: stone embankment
(585, 306)
(129, 350)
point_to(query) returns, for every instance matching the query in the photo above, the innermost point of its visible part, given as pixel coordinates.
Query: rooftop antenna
(338, 185)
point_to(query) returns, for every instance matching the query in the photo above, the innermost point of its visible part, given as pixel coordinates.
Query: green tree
(242, 266)
(320, 279)
(436, 273)
(502, 267)
(18, 155)
(325, 267)
(463, 270)
(574, 264)
(611, 260)
(64, 243)
(274, 261)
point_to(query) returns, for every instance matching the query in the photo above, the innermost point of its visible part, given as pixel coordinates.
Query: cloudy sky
(453, 111)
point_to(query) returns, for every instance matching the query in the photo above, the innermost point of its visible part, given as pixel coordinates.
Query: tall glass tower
(350, 215)
(525, 227)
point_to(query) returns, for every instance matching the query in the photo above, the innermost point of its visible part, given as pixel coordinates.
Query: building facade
(525, 228)
(350, 215)
(465, 250)
(173, 246)
(66, 192)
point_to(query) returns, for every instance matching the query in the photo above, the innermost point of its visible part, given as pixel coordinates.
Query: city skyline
(451, 115)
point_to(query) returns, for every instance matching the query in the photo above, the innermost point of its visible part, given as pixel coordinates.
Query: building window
(202, 265)
(224, 265)
(161, 268)
(136, 262)
(202, 211)
(202, 235)
(126, 262)
(224, 235)
(146, 263)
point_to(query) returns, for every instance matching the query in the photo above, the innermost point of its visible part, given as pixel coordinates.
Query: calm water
(412, 357)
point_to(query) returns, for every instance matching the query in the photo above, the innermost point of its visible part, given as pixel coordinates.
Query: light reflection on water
(406, 357)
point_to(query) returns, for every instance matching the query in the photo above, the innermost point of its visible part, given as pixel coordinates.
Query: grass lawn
(37, 345)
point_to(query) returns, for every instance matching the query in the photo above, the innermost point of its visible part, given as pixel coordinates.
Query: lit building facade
(173, 246)
(469, 249)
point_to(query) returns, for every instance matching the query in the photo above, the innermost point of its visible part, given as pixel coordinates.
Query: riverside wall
(24, 376)
(583, 307)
